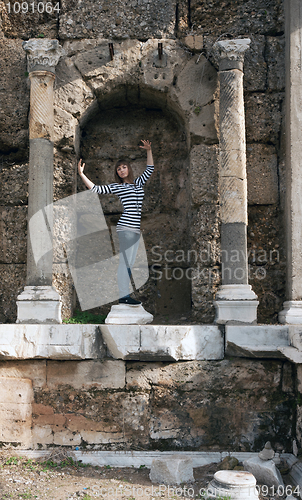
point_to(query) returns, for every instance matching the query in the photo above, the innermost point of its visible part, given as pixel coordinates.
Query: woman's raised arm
(84, 178)
(147, 145)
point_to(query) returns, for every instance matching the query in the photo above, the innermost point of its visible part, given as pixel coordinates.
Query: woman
(130, 192)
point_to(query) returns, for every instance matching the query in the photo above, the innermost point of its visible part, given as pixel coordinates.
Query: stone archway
(178, 93)
(115, 131)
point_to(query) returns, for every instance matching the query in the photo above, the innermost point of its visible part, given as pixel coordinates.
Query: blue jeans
(129, 241)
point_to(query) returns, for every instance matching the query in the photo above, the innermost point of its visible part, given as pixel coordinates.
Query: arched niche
(114, 130)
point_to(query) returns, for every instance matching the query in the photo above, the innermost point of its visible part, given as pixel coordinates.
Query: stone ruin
(206, 83)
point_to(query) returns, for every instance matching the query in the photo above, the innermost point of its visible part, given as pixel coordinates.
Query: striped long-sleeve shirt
(131, 196)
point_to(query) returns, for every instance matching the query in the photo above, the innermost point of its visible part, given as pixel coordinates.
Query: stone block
(164, 342)
(66, 438)
(295, 336)
(194, 42)
(53, 420)
(90, 62)
(238, 18)
(202, 124)
(16, 391)
(42, 435)
(118, 20)
(64, 128)
(13, 228)
(160, 74)
(33, 370)
(12, 279)
(264, 471)
(164, 425)
(14, 96)
(171, 471)
(39, 304)
(204, 168)
(255, 65)
(174, 232)
(83, 375)
(14, 184)
(291, 313)
(50, 341)
(40, 409)
(288, 384)
(275, 57)
(140, 376)
(16, 397)
(262, 175)
(72, 94)
(259, 341)
(237, 311)
(196, 84)
(181, 342)
(30, 24)
(263, 114)
(295, 474)
(121, 340)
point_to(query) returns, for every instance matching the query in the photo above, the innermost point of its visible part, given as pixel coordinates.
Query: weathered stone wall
(234, 404)
(89, 87)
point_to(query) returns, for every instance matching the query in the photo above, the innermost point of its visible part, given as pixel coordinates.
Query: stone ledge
(164, 343)
(257, 341)
(149, 342)
(137, 458)
(136, 342)
(19, 341)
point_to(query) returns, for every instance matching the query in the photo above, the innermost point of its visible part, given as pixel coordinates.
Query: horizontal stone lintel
(164, 343)
(150, 342)
(258, 341)
(133, 342)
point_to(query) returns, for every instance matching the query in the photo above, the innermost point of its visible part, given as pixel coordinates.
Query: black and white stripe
(131, 196)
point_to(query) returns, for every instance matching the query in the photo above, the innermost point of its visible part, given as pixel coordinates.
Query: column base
(291, 313)
(236, 304)
(39, 304)
(122, 314)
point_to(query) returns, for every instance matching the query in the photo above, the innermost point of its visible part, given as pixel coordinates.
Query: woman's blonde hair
(130, 172)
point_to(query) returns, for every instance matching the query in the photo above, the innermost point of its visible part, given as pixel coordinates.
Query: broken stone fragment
(228, 463)
(264, 471)
(267, 453)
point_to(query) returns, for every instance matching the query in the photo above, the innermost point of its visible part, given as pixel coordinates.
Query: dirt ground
(21, 478)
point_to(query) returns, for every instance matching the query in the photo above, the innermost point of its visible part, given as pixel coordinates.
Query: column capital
(231, 53)
(42, 54)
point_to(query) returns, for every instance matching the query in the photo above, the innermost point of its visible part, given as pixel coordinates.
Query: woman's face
(122, 172)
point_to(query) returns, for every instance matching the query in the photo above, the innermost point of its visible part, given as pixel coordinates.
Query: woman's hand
(146, 145)
(81, 167)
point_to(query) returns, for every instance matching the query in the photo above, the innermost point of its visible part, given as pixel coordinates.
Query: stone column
(292, 308)
(235, 300)
(40, 302)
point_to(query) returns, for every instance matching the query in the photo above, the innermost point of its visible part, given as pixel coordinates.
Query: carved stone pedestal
(236, 303)
(291, 313)
(122, 314)
(39, 304)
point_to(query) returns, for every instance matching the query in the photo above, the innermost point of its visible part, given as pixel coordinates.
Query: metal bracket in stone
(111, 50)
(159, 57)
